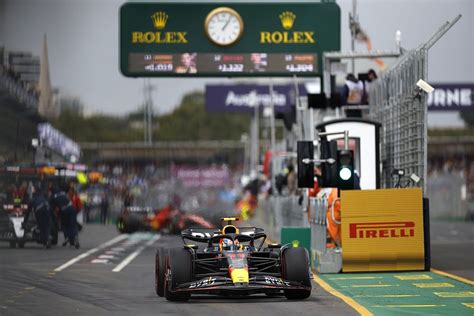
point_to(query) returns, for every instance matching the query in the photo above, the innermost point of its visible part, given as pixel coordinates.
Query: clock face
(224, 26)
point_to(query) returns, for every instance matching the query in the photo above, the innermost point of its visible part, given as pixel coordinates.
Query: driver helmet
(226, 243)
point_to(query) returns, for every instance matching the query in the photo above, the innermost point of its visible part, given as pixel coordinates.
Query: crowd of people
(459, 166)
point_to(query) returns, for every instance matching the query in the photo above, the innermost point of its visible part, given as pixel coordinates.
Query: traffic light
(329, 172)
(345, 169)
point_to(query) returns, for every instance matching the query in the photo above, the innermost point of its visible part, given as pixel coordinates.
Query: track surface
(88, 285)
(29, 284)
(452, 247)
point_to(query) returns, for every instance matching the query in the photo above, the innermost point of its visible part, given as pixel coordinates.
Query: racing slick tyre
(121, 226)
(179, 270)
(160, 272)
(295, 267)
(21, 244)
(12, 244)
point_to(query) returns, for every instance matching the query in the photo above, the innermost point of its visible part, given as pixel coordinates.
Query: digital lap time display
(208, 64)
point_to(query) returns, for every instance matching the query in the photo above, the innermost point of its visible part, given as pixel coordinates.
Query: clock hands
(226, 23)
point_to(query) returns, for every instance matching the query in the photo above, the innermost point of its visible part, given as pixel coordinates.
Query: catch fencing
(401, 107)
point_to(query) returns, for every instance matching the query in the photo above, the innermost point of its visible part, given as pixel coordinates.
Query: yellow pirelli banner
(382, 230)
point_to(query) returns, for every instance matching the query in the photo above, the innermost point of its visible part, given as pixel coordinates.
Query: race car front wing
(257, 284)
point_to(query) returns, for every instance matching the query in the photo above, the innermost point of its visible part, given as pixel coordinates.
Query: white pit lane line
(135, 254)
(90, 252)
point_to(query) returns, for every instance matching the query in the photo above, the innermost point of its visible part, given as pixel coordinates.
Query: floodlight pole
(255, 136)
(272, 118)
(272, 135)
(353, 20)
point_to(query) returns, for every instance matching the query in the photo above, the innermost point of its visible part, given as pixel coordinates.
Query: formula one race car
(231, 264)
(165, 220)
(11, 229)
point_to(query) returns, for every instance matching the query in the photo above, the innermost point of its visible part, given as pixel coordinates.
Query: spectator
(353, 90)
(353, 93)
(104, 208)
(76, 203)
(291, 180)
(371, 77)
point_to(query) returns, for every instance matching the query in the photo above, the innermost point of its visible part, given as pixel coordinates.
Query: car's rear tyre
(295, 267)
(179, 270)
(160, 272)
(121, 226)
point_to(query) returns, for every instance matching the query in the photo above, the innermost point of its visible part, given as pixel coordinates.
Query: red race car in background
(169, 219)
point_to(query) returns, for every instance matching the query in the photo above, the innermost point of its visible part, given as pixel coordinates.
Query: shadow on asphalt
(210, 299)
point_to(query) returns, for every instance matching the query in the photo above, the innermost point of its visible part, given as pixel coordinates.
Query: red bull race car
(234, 262)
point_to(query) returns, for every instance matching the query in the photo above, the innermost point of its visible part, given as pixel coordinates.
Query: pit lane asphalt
(30, 286)
(452, 247)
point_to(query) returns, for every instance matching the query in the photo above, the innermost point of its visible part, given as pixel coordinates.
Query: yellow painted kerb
(359, 308)
(452, 276)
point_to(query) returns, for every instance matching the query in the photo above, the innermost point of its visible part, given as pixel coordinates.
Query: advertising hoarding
(227, 39)
(245, 97)
(382, 230)
(452, 97)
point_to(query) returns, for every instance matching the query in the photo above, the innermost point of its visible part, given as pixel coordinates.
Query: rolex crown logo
(287, 19)
(159, 19)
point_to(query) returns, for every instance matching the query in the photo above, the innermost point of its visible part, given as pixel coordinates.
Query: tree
(190, 121)
(468, 117)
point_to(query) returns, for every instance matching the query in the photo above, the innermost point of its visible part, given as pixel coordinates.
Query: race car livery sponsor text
(206, 282)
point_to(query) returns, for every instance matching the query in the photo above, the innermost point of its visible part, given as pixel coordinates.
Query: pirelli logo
(382, 230)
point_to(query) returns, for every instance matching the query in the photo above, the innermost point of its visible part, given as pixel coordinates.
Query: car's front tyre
(178, 271)
(160, 272)
(295, 267)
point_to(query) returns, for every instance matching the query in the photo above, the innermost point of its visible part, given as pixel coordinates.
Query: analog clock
(224, 26)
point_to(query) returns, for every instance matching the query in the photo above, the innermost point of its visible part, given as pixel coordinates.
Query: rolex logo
(159, 19)
(287, 19)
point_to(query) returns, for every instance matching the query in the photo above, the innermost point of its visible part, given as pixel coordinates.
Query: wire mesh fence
(401, 107)
(398, 104)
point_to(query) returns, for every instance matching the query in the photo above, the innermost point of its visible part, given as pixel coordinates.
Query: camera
(425, 86)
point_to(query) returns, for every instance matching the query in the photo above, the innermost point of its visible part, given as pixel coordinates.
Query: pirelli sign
(382, 230)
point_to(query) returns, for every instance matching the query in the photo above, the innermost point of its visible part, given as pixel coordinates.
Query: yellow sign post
(382, 230)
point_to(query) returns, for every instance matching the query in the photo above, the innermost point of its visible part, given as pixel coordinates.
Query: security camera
(415, 178)
(425, 86)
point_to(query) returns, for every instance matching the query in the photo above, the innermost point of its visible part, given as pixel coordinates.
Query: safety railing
(278, 211)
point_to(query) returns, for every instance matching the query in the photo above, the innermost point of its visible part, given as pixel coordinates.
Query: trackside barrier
(277, 213)
(323, 260)
(280, 211)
